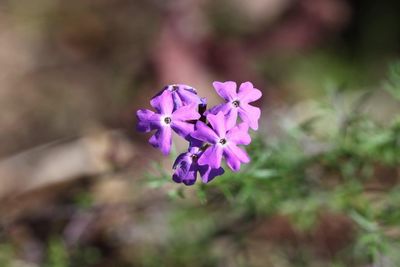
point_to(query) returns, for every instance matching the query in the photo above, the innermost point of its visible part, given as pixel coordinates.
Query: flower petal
(189, 88)
(212, 156)
(226, 90)
(194, 147)
(177, 100)
(221, 107)
(194, 144)
(250, 114)
(185, 170)
(231, 118)
(155, 121)
(231, 160)
(239, 134)
(179, 159)
(204, 133)
(186, 176)
(207, 173)
(247, 93)
(234, 156)
(144, 120)
(162, 140)
(186, 113)
(189, 96)
(239, 152)
(182, 128)
(163, 103)
(217, 123)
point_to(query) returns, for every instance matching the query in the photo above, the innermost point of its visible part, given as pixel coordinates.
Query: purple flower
(222, 142)
(212, 134)
(165, 120)
(237, 102)
(186, 168)
(182, 94)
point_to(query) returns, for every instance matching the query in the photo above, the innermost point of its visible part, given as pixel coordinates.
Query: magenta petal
(231, 118)
(155, 121)
(182, 128)
(250, 114)
(154, 140)
(231, 160)
(165, 140)
(162, 140)
(184, 175)
(226, 90)
(144, 120)
(239, 134)
(247, 93)
(234, 156)
(217, 123)
(208, 174)
(189, 97)
(204, 133)
(163, 103)
(212, 157)
(224, 108)
(181, 158)
(177, 100)
(185, 170)
(239, 152)
(186, 113)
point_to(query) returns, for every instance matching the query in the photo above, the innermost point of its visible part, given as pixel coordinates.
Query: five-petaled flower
(223, 142)
(165, 120)
(237, 102)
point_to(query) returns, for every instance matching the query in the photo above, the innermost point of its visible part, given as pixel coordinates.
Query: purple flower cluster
(212, 134)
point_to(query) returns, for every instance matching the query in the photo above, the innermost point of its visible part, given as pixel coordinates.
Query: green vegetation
(348, 171)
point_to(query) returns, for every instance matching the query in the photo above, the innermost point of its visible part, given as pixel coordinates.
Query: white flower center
(222, 141)
(166, 120)
(236, 103)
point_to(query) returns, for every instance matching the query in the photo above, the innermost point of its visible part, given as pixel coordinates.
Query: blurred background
(80, 187)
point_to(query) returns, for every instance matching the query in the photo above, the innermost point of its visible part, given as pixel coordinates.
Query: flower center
(236, 103)
(167, 120)
(194, 157)
(174, 88)
(222, 141)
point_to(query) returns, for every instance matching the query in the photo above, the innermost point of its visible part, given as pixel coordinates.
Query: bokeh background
(80, 187)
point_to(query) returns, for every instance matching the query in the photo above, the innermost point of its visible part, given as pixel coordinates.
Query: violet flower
(186, 168)
(165, 120)
(182, 94)
(222, 142)
(212, 134)
(237, 102)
